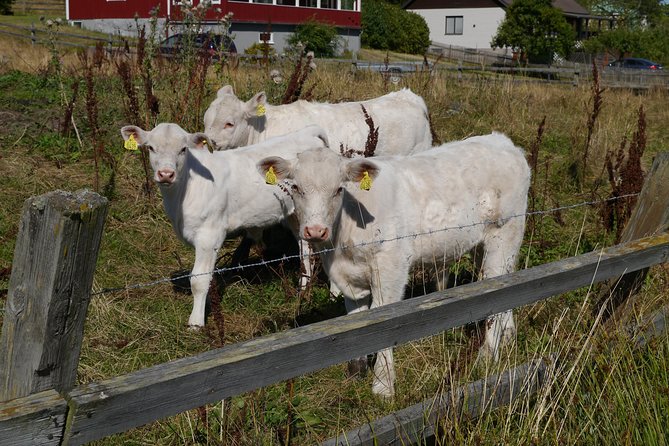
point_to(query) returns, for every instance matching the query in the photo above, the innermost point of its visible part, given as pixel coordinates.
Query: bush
(261, 50)
(6, 7)
(389, 27)
(320, 38)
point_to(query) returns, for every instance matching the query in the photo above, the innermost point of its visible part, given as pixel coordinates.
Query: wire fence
(285, 258)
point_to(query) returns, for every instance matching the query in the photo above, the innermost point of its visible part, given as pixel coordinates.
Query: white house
(473, 23)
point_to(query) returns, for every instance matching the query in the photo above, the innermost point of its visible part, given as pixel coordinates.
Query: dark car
(637, 63)
(216, 45)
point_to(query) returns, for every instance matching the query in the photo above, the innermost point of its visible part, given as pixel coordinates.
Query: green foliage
(651, 42)
(536, 29)
(6, 7)
(630, 13)
(320, 38)
(620, 41)
(389, 27)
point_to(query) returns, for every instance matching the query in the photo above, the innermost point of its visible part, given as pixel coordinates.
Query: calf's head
(168, 145)
(228, 120)
(317, 180)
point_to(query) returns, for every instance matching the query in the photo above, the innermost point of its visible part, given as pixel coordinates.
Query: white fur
(459, 185)
(215, 194)
(401, 117)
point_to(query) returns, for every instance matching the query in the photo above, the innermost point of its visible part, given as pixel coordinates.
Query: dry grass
(587, 396)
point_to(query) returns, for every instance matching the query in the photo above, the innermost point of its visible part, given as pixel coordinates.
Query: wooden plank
(651, 327)
(49, 290)
(415, 424)
(35, 419)
(120, 403)
(650, 216)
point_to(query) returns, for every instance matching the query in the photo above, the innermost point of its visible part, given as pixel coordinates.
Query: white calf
(457, 197)
(210, 195)
(401, 117)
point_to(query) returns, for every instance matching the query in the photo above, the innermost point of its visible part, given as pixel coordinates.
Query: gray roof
(568, 7)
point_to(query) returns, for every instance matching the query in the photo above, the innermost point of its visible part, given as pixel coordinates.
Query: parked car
(637, 63)
(214, 44)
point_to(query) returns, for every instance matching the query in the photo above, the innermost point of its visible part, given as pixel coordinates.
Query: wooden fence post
(49, 290)
(650, 216)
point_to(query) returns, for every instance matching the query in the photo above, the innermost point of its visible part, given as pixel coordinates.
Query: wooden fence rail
(120, 403)
(75, 415)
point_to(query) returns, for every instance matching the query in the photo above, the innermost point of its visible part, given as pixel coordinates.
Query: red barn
(275, 19)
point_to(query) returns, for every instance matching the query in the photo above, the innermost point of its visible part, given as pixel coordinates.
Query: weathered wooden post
(650, 216)
(49, 290)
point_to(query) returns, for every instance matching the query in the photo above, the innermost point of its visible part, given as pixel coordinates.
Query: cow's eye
(295, 189)
(228, 125)
(182, 151)
(151, 149)
(338, 192)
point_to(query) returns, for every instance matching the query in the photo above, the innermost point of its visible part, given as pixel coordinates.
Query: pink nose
(166, 175)
(316, 233)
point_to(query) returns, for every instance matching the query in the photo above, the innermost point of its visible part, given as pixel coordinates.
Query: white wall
(479, 25)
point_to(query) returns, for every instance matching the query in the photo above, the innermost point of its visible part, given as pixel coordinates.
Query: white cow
(401, 117)
(458, 197)
(210, 195)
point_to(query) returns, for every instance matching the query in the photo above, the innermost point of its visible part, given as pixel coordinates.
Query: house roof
(568, 7)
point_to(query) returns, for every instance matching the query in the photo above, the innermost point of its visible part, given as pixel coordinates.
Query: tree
(320, 38)
(535, 29)
(388, 27)
(641, 29)
(630, 13)
(6, 7)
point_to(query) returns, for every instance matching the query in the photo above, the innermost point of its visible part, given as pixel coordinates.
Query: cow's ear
(137, 133)
(255, 107)
(200, 141)
(225, 90)
(362, 171)
(274, 168)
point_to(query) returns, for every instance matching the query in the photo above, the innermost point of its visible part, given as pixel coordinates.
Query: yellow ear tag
(130, 143)
(260, 110)
(366, 182)
(204, 143)
(270, 176)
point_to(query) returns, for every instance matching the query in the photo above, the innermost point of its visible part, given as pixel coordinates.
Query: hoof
(383, 390)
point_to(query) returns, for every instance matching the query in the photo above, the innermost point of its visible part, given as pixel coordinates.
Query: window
(269, 37)
(454, 24)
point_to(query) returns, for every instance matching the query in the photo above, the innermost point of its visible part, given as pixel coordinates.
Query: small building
(252, 20)
(473, 23)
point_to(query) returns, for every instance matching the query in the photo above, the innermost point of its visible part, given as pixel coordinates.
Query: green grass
(602, 390)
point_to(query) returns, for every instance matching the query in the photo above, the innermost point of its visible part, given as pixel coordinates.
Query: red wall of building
(242, 12)
(104, 9)
(261, 13)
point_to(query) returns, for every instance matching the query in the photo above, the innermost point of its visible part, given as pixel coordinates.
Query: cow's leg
(388, 285)
(205, 260)
(307, 260)
(357, 366)
(499, 257)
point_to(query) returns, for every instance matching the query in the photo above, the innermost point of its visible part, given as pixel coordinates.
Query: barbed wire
(373, 242)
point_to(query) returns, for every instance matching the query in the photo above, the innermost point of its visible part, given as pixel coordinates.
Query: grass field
(603, 389)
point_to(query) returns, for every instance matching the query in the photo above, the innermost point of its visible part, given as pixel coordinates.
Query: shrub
(6, 7)
(320, 38)
(389, 27)
(261, 50)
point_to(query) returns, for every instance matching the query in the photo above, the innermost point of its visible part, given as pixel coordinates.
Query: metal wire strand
(400, 237)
